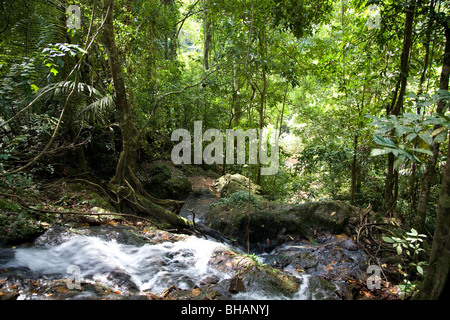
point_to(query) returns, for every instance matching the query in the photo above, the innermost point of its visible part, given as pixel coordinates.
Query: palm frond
(98, 111)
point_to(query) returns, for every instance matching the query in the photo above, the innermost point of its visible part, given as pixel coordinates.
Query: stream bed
(118, 262)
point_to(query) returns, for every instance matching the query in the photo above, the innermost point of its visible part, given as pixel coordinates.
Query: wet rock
(122, 279)
(333, 256)
(16, 225)
(321, 289)
(58, 234)
(236, 285)
(251, 276)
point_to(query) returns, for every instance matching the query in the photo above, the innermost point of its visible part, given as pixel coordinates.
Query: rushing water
(150, 267)
(124, 261)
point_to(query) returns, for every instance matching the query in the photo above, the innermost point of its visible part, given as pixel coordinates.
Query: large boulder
(164, 180)
(230, 183)
(269, 224)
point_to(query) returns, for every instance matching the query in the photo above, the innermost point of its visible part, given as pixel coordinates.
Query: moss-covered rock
(19, 227)
(230, 183)
(269, 224)
(163, 180)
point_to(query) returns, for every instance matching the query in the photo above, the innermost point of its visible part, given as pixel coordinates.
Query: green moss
(9, 206)
(76, 187)
(18, 228)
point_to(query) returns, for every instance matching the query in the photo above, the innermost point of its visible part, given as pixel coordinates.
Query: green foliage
(238, 198)
(328, 163)
(409, 246)
(413, 134)
(18, 227)
(300, 16)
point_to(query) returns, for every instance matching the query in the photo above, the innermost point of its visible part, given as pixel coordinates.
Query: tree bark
(125, 185)
(439, 265)
(430, 169)
(128, 155)
(263, 92)
(354, 170)
(208, 38)
(391, 182)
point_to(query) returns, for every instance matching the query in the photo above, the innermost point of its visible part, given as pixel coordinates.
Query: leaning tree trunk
(439, 265)
(125, 185)
(427, 179)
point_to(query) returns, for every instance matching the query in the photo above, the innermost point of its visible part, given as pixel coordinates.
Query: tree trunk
(128, 155)
(354, 170)
(208, 39)
(427, 179)
(439, 265)
(396, 108)
(125, 185)
(263, 52)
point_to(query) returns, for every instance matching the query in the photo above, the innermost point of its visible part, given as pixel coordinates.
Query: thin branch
(28, 206)
(58, 125)
(162, 97)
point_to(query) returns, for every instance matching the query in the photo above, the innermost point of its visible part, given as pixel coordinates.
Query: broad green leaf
(401, 130)
(399, 250)
(54, 71)
(426, 151)
(419, 270)
(411, 136)
(437, 131)
(387, 239)
(35, 88)
(383, 141)
(426, 137)
(378, 152)
(441, 137)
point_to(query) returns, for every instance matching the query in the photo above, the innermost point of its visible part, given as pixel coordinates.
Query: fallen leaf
(196, 292)
(1, 293)
(333, 213)
(118, 292)
(328, 268)
(62, 289)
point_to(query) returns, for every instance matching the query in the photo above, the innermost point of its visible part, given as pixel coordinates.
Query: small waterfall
(152, 267)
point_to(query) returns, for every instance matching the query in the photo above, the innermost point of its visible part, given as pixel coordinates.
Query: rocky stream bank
(275, 251)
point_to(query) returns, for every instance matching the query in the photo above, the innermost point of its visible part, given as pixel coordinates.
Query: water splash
(148, 267)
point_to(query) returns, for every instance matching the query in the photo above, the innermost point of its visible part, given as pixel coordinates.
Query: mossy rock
(270, 224)
(230, 183)
(250, 275)
(19, 228)
(163, 180)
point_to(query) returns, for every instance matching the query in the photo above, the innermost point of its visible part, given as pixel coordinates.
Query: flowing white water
(148, 267)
